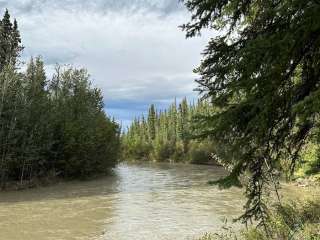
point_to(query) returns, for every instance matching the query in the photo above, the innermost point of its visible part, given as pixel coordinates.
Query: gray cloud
(36, 6)
(134, 50)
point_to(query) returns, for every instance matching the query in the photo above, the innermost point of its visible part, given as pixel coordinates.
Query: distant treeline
(50, 127)
(179, 134)
(168, 135)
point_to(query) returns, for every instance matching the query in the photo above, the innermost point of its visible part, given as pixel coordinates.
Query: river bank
(50, 180)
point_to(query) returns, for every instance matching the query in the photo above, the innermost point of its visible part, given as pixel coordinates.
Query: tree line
(50, 127)
(168, 135)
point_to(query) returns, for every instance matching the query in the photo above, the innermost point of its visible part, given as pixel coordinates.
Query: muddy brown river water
(138, 202)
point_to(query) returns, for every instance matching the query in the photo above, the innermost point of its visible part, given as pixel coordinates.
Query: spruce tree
(152, 121)
(10, 41)
(183, 123)
(261, 72)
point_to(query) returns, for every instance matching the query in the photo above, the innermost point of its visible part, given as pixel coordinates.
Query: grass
(292, 221)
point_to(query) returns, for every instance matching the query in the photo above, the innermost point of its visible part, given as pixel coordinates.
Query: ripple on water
(146, 201)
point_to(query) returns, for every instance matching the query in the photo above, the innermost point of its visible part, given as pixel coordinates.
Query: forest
(53, 127)
(169, 135)
(174, 135)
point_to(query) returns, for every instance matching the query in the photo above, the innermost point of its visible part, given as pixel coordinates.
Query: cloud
(133, 50)
(102, 6)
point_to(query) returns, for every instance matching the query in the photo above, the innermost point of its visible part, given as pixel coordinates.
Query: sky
(134, 50)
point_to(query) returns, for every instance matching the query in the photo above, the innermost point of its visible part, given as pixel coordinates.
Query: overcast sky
(133, 49)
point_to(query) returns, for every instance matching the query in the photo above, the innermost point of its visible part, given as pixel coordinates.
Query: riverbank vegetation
(295, 221)
(167, 135)
(49, 127)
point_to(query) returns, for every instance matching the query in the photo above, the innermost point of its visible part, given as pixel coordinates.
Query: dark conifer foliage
(10, 41)
(50, 127)
(262, 75)
(167, 135)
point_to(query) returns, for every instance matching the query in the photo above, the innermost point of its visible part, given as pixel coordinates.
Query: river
(138, 202)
